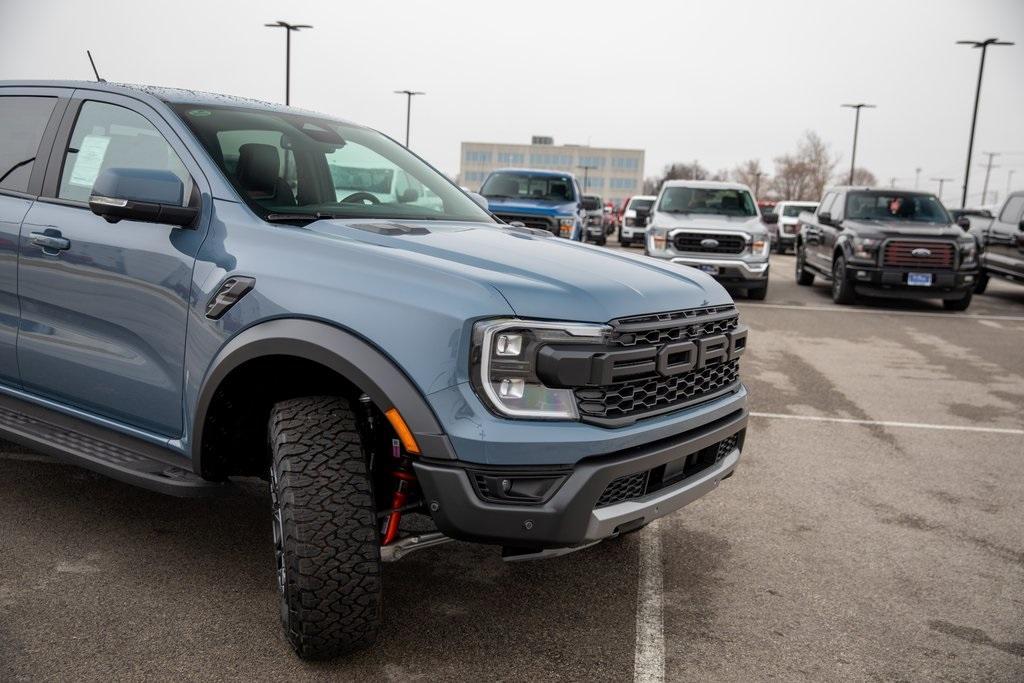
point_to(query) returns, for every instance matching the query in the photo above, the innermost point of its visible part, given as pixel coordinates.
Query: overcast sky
(712, 81)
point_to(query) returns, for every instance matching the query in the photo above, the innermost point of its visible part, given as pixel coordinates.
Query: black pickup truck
(1003, 243)
(887, 243)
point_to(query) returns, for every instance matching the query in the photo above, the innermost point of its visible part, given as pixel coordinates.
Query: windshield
(794, 210)
(725, 202)
(895, 206)
(290, 166)
(591, 203)
(512, 185)
(641, 204)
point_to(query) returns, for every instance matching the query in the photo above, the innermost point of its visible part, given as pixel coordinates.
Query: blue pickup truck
(548, 200)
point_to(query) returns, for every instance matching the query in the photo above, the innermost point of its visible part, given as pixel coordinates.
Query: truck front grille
(639, 484)
(539, 222)
(708, 243)
(644, 394)
(919, 254)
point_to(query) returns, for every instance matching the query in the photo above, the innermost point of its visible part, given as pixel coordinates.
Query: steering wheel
(360, 198)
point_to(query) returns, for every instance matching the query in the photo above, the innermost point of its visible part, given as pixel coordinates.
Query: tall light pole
(1009, 182)
(408, 109)
(941, 182)
(586, 172)
(757, 184)
(983, 44)
(917, 177)
(856, 129)
(288, 28)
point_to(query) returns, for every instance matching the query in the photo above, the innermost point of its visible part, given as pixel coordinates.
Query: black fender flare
(347, 354)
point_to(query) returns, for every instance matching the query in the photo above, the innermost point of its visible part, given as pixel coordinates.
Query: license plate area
(919, 279)
(707, 268)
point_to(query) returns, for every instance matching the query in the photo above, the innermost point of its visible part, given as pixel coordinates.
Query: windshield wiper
(285, 217)
(499, 196)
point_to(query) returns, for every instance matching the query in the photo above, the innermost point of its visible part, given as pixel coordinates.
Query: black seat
(257, 172)
(730, 203)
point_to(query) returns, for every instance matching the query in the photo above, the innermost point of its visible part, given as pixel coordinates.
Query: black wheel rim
(836, 278)
(278, 526)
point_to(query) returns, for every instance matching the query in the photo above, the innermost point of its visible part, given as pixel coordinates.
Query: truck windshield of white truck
(726, 202)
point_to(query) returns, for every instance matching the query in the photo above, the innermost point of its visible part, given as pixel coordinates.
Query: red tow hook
(398, 500)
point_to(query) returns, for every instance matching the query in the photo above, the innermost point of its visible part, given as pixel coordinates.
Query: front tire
(325, 535)
(803, 277)
(759, 293)
(842, 288)
(982, 284)
(958, 304)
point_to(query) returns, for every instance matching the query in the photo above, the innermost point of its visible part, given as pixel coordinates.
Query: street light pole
(408, 109)
(941, 182)
(856, 130)
(1009, 182)
(586, 174)
(988, 172)
(757, 184)
(288, 28)
(983, 44)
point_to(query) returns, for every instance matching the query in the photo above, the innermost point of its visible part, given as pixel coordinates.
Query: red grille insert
(929, 254)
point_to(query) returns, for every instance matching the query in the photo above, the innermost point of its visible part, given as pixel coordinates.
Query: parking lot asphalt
(864, 536)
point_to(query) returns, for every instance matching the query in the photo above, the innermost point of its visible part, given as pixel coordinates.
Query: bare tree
(752, 175)
(678, 171)
(861, 176)
(805, 174)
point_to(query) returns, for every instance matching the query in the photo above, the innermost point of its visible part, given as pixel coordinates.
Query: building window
(626, 163)
(592, 162)
(622, 183)
(595, 182)
(514, 158)
(478, 157)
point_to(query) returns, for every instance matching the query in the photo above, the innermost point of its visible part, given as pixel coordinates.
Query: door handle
(51, 242)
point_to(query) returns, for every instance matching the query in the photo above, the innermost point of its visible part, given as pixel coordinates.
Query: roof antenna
(98, 79)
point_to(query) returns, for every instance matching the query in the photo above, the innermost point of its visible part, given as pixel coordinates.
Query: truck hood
(539, 276)
(536, 208)
(886, 229)
(711, 222)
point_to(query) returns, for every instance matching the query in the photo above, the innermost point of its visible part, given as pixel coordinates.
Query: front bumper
(892, 282)
(571, 517)
(729, 271)
(633, 232)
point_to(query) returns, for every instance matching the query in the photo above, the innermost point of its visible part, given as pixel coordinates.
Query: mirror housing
(825, 218)
(141, 194)
(480, 200)
(964, 222)
(770, 218)
(1020, 226)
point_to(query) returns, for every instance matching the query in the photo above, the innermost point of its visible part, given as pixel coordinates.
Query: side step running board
(113, 454)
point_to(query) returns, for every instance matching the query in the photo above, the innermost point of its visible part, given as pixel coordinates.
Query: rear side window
(22, 120)
(1013, 210)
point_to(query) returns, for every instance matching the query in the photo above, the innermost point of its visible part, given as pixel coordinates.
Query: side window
(1012, 211)
(22, 120)
(826, 203)
(839, 206)
(108, 136)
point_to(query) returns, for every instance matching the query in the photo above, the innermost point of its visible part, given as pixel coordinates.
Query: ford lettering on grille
(921, 252)
(649, 365)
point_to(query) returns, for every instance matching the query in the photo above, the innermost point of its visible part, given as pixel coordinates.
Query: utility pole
(409, 94)
(757, 184)
(917, 177)
(941, 182)
(892, 181)
(1009, 182)
(586, 171)
(983, 45)
(856, 130)
(288, 28)
(988, 172)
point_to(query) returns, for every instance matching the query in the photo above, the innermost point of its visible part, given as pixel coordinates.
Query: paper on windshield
(89, 160)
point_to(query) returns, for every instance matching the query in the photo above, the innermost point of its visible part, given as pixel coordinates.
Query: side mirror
(770, 219)
(480, 200)
(141, 194)
(825, 218)
(964, 222)
(1020, 226)
(409, 196)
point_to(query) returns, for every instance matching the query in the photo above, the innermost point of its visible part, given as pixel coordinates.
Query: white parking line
(884, 423)
(883, 311)
(649, 661)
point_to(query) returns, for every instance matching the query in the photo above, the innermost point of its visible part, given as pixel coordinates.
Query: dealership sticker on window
(89, 160)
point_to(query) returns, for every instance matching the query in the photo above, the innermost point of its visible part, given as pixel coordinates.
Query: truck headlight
(865, 247)
(565, 226)
(504, 366)
(968, 252)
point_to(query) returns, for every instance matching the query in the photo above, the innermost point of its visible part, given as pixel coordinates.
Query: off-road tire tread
(330, 538)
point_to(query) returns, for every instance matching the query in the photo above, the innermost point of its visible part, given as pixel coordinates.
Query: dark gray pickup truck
(887, 243)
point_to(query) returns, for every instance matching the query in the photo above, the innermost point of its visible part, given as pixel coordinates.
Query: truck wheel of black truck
(326, 542)
(842, 288)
